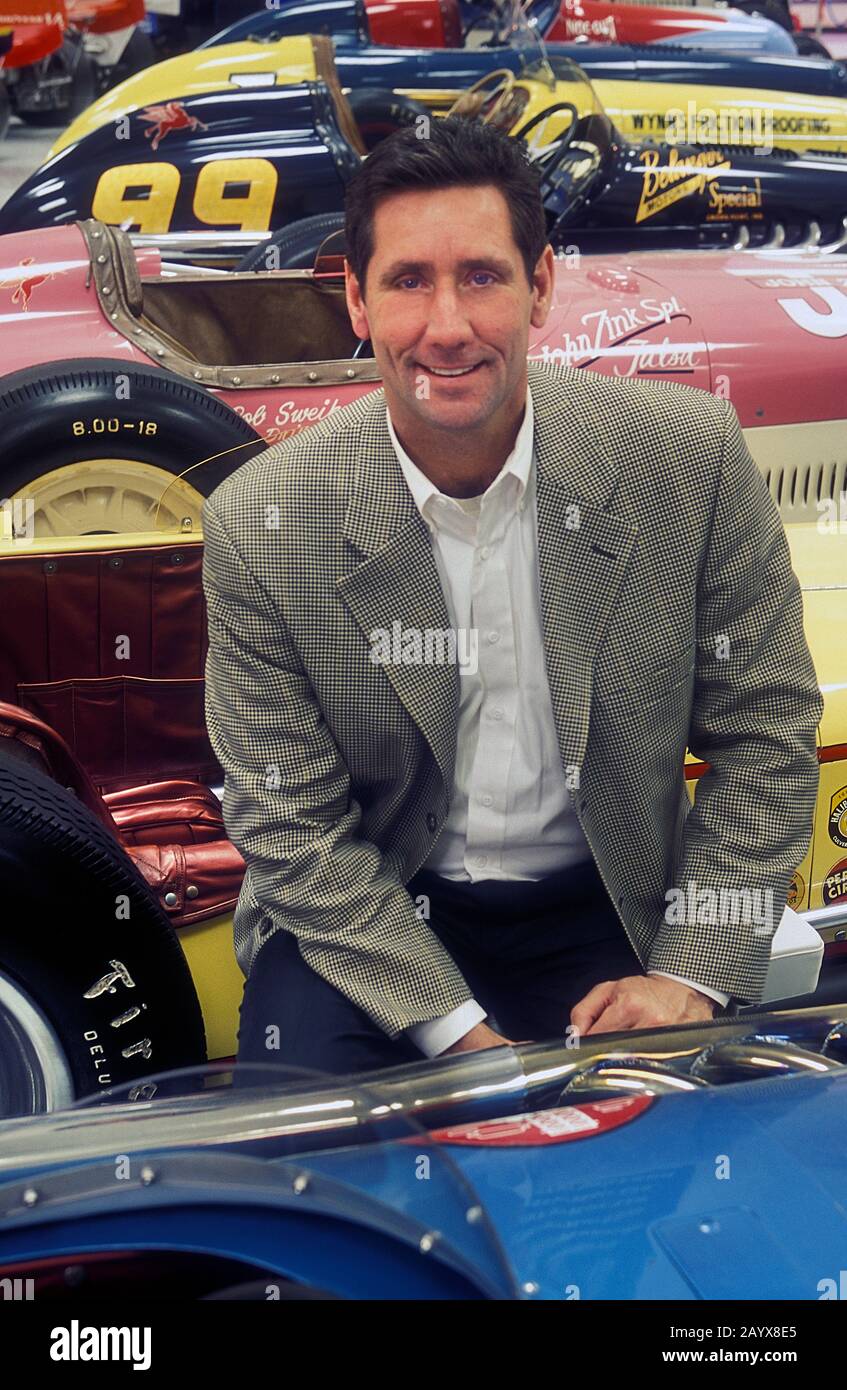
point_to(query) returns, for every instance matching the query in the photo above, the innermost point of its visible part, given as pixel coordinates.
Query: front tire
(84, 942)
(96, 446)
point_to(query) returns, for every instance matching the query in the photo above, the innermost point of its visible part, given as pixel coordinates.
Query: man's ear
(543, 282)
(355, 303)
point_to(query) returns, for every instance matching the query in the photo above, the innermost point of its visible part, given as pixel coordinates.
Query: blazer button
(431, 821)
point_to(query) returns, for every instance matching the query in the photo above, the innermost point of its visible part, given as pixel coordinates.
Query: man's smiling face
(448, 307)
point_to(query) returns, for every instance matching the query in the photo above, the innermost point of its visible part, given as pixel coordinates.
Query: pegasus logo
(163, 119)
(23, 285)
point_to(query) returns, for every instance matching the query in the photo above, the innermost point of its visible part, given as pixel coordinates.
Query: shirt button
(431, 821)
(487, 800)
(497, 713)
(480, 861)
(492, 636)
(485, 552)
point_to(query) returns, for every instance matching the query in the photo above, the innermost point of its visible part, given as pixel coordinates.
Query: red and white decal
(548, 1126)
(162, 119)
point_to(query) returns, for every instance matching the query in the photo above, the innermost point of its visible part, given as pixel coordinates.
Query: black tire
(71, 101)
(380, 113)
(293, 247)
(73, 903)
(69, 411)
(810, 47)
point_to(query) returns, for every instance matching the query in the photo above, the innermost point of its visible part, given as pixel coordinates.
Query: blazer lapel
(583, 549)
(396, 581)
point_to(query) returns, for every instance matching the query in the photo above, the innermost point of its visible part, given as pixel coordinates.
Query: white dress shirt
(511, 811)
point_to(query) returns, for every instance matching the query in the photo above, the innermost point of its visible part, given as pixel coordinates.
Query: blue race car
(537, 1171)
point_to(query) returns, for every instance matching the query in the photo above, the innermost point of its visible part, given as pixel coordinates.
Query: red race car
(244, 358)
(61, 62)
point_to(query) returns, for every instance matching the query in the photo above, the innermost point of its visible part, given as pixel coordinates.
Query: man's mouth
(452, 371)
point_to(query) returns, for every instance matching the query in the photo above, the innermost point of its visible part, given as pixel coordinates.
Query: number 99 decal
(250, 212)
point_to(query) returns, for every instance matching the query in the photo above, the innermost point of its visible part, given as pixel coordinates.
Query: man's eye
(479, 276)
(408, 282)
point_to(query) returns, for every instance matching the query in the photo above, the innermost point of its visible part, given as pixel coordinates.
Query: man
(461, 634)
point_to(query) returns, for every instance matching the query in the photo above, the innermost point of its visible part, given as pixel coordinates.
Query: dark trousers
(529, 952)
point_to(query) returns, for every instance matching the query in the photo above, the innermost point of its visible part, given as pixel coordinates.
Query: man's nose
(447, 321)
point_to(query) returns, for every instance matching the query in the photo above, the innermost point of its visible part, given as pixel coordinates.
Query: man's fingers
(591, 1006)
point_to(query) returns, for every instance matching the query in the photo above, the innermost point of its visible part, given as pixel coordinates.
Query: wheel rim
(34, 1071)
(110, 496)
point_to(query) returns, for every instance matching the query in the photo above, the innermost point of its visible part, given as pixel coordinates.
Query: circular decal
(838, 818)
(796, 890)
(548, 1126)
(835, 884)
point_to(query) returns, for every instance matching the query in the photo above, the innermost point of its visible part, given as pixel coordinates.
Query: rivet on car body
(236, 381)
(177, 557)
(170, 900)
(275, 379)
(841, 934)
(107, 289)
(530, 1287)
(473, 1214)
(186, 523)
(313, 376)
(300, 1183)
(192, 890)
(101, 260)
(115, 562)
(148, 1175)
(160, 352)
(427, 1241)
(198, 376)
(30, 1196)
(138, 330)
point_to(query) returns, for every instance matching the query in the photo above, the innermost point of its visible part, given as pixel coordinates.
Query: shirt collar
(518, 465)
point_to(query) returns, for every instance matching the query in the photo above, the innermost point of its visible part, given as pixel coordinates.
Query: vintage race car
(428, 24)
(251, 153)
(57, 67)
(796, 104)
(105, 459)
(526, 1173)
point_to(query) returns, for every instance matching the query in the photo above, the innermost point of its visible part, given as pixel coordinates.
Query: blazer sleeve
(289, 810)
(756, 707)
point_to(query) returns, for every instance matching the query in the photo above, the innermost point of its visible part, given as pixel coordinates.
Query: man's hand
(479, 1037)
(639, 1001)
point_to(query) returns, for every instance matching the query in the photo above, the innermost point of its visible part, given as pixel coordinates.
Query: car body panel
(603, 1199)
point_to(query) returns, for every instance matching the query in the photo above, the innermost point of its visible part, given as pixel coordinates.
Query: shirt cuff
(437, 1034)
(718, 994)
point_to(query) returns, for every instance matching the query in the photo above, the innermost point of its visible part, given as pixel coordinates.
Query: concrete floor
(20, 153)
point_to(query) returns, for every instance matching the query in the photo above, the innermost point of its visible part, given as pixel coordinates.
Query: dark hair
(455, 153)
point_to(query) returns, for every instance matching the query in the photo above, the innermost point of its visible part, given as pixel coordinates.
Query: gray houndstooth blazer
(671, 617)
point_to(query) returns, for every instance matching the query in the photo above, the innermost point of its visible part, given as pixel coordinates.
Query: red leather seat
(173, 830)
